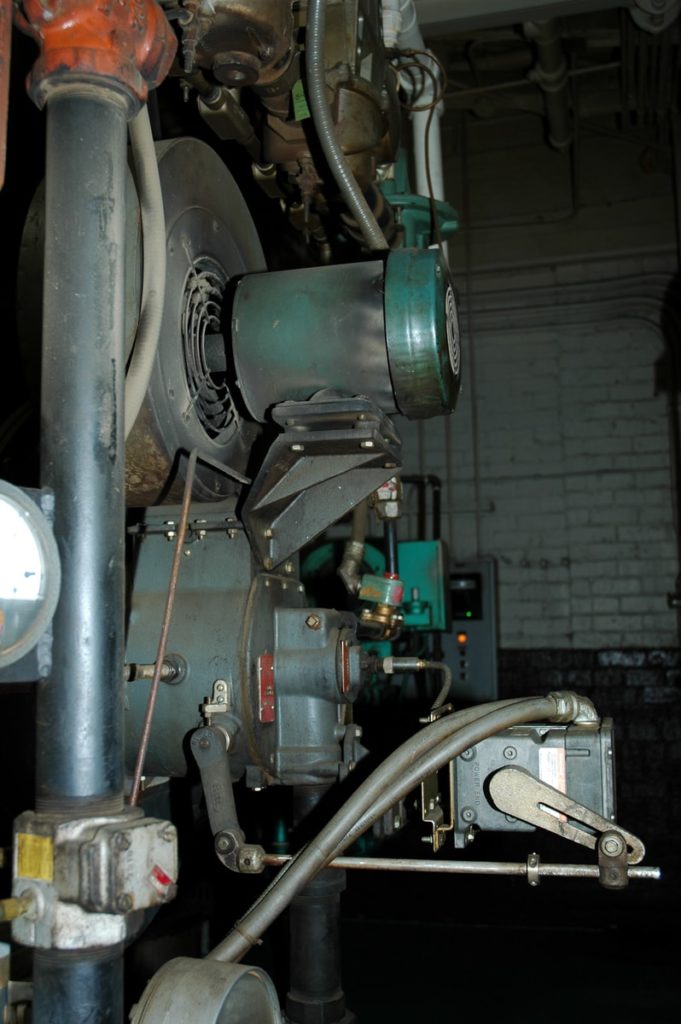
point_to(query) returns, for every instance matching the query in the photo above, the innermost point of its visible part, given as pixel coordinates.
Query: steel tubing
(467, 867)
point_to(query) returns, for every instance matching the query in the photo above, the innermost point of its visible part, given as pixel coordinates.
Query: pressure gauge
(30, 573)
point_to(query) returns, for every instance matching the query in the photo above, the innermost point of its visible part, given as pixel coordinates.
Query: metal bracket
(220, 700)
(332, 453)
(517, 792)
(612, 860)
(432, 809)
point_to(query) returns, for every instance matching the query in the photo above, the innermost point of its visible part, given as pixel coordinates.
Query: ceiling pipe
(401, 30)
(438, 17)
(551, 75)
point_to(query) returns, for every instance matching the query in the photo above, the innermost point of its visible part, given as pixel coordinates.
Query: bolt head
(124, 902)
(612, 845)
(223, 844)
(313, 622)
(121, 841)
(468, 814)
(510, 753)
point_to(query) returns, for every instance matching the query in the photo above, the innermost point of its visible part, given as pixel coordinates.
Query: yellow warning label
(35, 858)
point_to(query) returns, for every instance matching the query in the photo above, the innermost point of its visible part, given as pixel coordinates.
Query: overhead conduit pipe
(551, 75)
(323, 122)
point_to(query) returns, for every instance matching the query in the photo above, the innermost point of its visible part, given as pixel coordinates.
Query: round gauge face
(29, 574)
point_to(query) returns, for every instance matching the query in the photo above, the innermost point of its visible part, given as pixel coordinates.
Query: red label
(159, 875)
(266, 688)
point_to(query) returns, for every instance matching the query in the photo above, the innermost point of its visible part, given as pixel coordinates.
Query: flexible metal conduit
(413, 761)
(323, 122)
(154, 266)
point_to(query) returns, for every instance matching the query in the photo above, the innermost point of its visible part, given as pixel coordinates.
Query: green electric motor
(387, 330)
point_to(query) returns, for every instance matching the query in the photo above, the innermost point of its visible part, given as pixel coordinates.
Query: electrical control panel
(470, 646)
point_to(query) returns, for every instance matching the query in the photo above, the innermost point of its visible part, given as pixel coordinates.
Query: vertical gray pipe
(82, 986)
(551, 75)
(315, 993)
(80, 708)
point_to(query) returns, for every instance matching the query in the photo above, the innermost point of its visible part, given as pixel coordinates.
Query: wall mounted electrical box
(470, 647)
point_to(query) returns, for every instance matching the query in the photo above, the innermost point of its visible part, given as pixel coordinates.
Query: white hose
(148, 183)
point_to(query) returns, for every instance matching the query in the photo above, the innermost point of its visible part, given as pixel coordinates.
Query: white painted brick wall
(574, 483)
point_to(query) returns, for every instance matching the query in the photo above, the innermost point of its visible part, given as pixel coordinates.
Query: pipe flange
(127, 46)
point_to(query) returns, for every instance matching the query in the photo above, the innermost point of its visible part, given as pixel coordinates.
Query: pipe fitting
(129, 46)
(350, 569)
(571, 707)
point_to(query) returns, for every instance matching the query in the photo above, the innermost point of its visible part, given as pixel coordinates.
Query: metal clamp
(220, 700)
(432, 810)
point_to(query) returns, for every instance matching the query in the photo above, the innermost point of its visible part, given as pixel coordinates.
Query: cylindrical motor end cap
(422, 333)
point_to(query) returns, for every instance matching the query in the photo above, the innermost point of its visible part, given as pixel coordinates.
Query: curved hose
(440, 666)
(413, 761)
(321, 116)
(148, 182)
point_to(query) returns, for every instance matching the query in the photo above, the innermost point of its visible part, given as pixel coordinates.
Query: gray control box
(470, 646)
(577, 760)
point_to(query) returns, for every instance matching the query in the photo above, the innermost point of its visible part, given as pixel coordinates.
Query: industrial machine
(237, 413)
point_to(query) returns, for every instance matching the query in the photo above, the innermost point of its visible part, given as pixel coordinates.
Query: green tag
(300, 107)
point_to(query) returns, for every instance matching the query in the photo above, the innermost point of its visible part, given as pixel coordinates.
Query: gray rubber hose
(148, 183)
(323, 122)
(413, 761)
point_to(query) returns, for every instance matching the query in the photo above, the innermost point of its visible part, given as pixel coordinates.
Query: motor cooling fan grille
(203, 348)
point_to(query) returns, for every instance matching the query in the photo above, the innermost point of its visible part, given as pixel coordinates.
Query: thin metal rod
(466, 867)
(165, 628)
(520, 83)
(391, 555)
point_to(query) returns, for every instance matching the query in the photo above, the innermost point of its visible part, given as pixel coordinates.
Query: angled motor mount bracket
(332, 453)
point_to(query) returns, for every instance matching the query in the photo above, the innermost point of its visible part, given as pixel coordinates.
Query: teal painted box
(424, 569)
